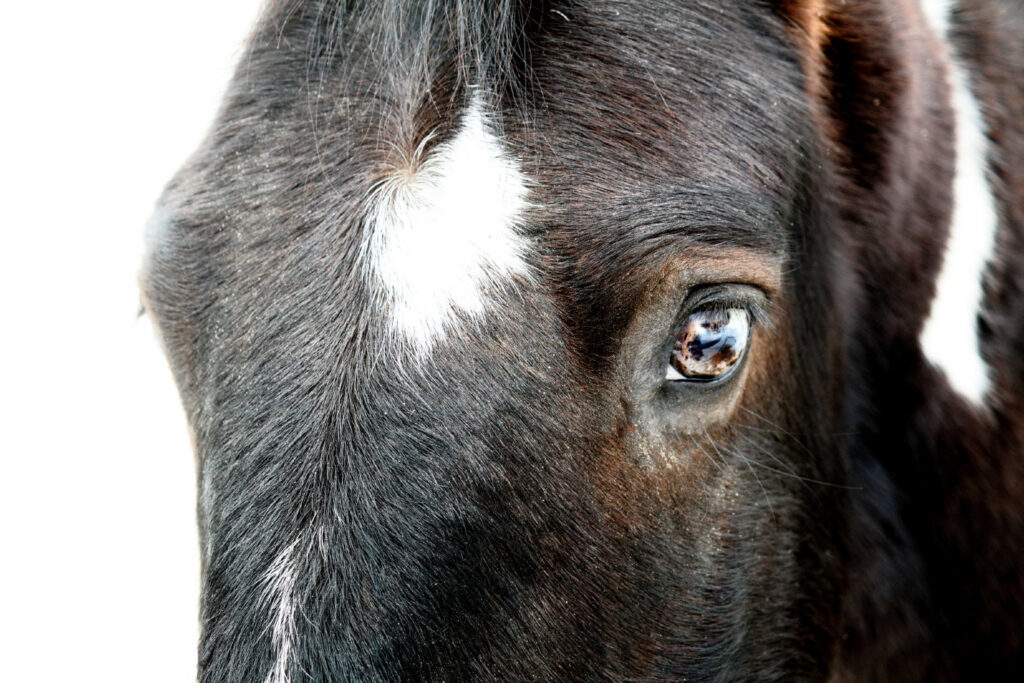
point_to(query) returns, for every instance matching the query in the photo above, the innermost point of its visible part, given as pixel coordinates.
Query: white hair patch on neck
(280, 589)
(444, 232)
(949, 338)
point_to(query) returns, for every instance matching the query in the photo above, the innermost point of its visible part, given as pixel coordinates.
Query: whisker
(747, 462)
(708, 455)
(777, 428)
(793, 474)
(787, 471)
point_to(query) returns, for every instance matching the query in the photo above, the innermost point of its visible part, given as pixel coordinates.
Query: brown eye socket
(710, 345)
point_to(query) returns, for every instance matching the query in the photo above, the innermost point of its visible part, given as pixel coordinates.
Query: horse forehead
(645, 111)
(445, 233)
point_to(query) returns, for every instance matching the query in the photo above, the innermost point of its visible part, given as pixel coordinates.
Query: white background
(102, 101)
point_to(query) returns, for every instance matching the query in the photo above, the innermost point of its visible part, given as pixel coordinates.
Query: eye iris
(711, 344)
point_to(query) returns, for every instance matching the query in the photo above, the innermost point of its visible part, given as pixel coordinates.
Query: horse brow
(706, 217)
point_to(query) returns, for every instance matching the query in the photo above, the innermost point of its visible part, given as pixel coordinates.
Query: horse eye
(710, 345)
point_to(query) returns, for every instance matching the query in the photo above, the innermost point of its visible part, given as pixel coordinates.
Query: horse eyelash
(759, 308)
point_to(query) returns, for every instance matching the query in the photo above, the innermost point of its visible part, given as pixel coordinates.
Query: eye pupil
(710, 345)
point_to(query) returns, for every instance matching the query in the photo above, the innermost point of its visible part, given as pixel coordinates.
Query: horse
(617, 340)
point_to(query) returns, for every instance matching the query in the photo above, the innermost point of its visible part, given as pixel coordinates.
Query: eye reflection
(710, 345)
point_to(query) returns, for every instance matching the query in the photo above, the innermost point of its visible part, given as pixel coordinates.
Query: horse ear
(876, 72)
(877, 81)
(806, 16)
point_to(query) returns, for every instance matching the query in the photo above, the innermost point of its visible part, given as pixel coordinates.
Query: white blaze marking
(949, 338)
(280, 587)
(445, 231)
(937, 13)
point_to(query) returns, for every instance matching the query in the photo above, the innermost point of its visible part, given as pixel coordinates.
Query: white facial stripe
(445, 232)
(280, 587)
(937, 12)
(949, 338)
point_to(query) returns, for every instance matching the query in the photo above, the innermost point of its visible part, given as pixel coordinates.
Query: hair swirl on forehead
(406, 68)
